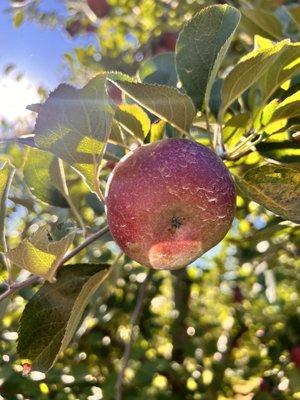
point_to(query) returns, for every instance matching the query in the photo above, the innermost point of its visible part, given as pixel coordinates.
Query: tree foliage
(227, 326)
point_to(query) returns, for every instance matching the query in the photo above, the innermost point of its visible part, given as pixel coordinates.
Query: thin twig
(33, 279)
(3, 243)
(91, 239)
(66, 193)
(211, 139)
(242, 144)
(134, 323)
(246, 148)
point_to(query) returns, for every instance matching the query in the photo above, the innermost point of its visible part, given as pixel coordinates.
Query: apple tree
(149, 223)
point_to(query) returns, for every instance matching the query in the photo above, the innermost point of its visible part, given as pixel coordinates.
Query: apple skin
(295, 355)
(99, 7)
(73, 27)
(115, 94)
(166, 42)
(169, 202)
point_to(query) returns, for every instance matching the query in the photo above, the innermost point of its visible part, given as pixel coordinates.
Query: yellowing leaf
(40, 254)
(275, 187)
(18, 18)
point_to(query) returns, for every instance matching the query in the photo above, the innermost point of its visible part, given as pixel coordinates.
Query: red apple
(169, 202)
(237, 295)
(295, 355)
(99, 7)
(264, 386)
(73, 27)
(166, 42)
(90, 28)
(110, 165)
(115, 94)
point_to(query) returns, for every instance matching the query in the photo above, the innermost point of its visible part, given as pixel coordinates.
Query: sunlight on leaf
(275, 187)
(74, 124)
(37, 175)
(288, 108)
(286, 66)
(163, 101)
(5, 177)
(40, 254)
(249, 69)
(133, 120)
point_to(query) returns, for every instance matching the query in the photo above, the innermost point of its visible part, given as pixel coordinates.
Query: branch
(66, 193)
(211, 140)
(3, 243)
(181, 288)
(34, 279)
(134, 322)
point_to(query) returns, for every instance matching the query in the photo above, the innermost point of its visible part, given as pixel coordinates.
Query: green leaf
(294, 378)
(264, 117)
(286, 66)
(62, 229)
(51, 317)
(18, 18)
(280, 147)
(235, 128)
(40, 254)
(275, 187)
(37, 175)
(6, 176)
(249, 69)
(267, 112)
(159, 69)
(133, 120)
(263, 396)
(201, 47)
(74, 124)
(215, 97)
(288, 108)
(116, 135)
(261, 22)
(157, 131)
(295, 12)
(261, 42)
(163, 101)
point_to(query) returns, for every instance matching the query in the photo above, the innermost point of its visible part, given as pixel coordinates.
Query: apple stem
(133, 333)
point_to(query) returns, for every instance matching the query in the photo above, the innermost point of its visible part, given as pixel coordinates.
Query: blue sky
(37, 51)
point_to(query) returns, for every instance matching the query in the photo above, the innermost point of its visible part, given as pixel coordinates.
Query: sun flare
(15, 95)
